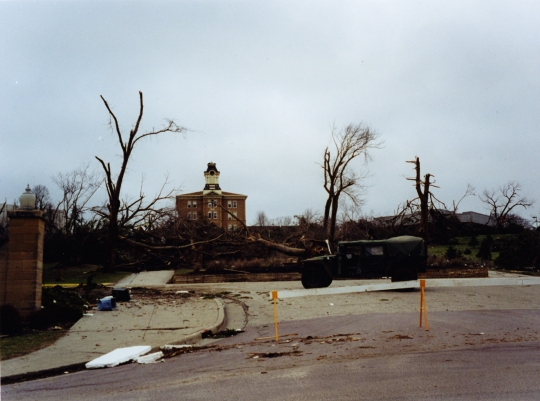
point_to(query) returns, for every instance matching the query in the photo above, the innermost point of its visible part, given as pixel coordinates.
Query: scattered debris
(171, 351)
(107, 303)
(118, 356)
(121, 294)
(255, 355)
(173, 347)
(271, 337)
(223, 334)
(401, 337)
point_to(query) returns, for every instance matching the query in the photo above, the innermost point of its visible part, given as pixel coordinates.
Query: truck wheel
(315, 277)
(404, 275)
(328, 280)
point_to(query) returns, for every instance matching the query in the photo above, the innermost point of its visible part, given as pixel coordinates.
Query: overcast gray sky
(260, 85)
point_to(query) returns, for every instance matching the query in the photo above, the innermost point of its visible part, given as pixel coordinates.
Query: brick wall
(240, 210)
(202, 208)
(21, 262)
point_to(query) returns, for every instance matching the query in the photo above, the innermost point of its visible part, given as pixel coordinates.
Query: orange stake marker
(276, 323)
(423, 307)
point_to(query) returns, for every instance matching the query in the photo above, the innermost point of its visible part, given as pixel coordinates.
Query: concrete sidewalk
(159, 319)
(144, 320)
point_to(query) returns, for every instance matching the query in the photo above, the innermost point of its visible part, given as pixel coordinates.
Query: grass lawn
(463, 243)
(79, 274)
(13, 346)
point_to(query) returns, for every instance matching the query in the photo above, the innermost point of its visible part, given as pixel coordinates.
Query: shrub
(520, 252)
(60, 307)
(484, 252)
(10, 320)
(54, 316)
(473, 242)
(452, 252)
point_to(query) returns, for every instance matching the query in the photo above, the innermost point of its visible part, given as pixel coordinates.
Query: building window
(229, 204)
(189, 216)
(194, 204)
(189, 204)
(215, 215)
(234, 204)
(234, 227)
(212, 203)
(194, 215)
(230, 227)
(209, 215)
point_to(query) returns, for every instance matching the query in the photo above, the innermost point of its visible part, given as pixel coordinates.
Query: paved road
(466, 355)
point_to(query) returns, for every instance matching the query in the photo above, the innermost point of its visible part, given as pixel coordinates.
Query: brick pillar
(21, 262)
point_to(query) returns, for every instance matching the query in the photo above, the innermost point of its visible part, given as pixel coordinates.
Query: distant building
(212, 203)
(412, 219)
(4, 208)
(476, 218)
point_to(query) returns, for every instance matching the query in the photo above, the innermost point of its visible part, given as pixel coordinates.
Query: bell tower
(211, 176)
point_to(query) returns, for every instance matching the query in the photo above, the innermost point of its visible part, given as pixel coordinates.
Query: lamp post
(27, 200)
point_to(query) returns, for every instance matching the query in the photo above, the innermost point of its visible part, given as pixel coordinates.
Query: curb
(43, 374)
(71, 368)
(200, 334)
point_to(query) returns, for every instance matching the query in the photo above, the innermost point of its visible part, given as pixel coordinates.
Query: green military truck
(400, 258)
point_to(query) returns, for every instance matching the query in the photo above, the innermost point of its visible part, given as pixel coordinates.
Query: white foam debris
(150, 358)
(118, 356)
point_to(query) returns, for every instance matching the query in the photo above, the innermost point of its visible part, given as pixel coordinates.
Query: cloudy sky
(259, 85)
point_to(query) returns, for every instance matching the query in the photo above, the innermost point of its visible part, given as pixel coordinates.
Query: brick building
(212, 203)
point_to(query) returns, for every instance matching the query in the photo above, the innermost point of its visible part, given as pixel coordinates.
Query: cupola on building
(212, 203)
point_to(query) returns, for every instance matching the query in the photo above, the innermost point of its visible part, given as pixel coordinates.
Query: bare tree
(136, 213)
(114, 183)
(43, 197)
(339, 176)
(502, 201)
(424, 204)
(77, 186)
(424, 194)
(262, 220)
